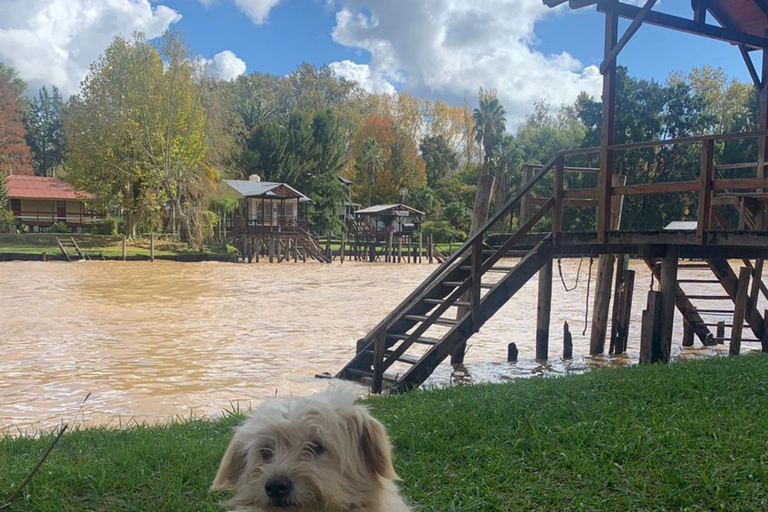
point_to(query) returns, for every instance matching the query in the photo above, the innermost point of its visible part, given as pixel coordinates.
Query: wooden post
(399, 249)
(625, 318)
(764, 340)
(151, 247)
(650, 339)
(608, 128)
(124, 248)
(271, 250)
(524, 202)
(328, 247)
(720, 333)
(409, 249)
(705, 189)
(617, 304)
(341, 248)
(605, 280)
(567, 342)
(378, 361)
(295, 250)
(512, 353)
(668, 289)
(739, 311)
(757, 277)
(256, 244)
(431, 249)
(476, 276)
(390, 247)
(420, 246)
(557, 212)
(687, 334)
(543, 310)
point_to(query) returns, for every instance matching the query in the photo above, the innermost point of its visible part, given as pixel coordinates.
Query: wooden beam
(608, 128)
(739, 311)
(668, 287)
(705, 189)
(657, 188)
(750, 67)
(650, 343)
(699, 11)
(679, 24)
(557, 212)
(543, 311)
(631, 30)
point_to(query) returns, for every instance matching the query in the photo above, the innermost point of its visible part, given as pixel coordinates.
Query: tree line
(152, 132)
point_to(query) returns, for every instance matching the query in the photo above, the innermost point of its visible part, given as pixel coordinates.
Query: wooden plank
(668, 287)
(679, 24)
(650, 345)
(757, 281)
(476, 275)
(705, 189)
(739, 312)
(750, 67)
(610, 59)
(574, 203)
(739, 183)
(580, 193)
(729, 281)
(608, 127)
(657, 188)
(557, 212)
(543, 311)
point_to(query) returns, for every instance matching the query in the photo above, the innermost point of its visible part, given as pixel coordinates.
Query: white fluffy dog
(320, 453)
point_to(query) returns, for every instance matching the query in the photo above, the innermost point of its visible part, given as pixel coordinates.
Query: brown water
(150, 341)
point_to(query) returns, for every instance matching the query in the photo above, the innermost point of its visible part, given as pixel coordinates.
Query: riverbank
(690, 435)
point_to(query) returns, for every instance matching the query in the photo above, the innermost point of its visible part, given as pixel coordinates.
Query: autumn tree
(45, 132)
(14, 152)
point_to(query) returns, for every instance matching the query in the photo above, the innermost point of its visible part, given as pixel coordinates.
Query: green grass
(688, 436)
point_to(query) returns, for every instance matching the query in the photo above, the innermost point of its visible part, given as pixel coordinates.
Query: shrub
(7, 221)
(59, 227)
(107, 226)
(442, 231)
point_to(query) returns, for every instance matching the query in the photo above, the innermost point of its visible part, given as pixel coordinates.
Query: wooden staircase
(71, 250)
(309, 245)
(452, 304)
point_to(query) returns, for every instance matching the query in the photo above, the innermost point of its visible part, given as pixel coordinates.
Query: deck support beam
(668, 288)
(543, 311)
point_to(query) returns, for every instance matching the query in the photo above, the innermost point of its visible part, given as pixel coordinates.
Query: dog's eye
(266, 454)
(316, 449)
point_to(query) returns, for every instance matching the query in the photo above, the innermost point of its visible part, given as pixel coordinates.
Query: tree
(14, 152)
(19, 86)
(439, 158)
(424, 199)
(7, 219)
(368, 164)
(490, 125)
(45, 133)
(456, 214)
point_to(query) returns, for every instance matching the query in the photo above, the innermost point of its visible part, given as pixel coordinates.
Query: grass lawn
(688, 436)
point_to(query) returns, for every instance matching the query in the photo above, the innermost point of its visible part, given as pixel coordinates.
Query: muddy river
(152, 341)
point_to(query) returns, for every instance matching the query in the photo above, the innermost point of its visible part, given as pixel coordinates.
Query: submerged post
(720, 333)
(739, 311)
(567, 342)
(650, 336)
(668, 288)
(687, 334)
(543, 311)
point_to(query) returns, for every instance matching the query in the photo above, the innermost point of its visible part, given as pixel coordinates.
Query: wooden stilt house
(440, 315)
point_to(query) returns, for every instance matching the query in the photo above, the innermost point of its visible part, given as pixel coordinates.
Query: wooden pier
(440, 315)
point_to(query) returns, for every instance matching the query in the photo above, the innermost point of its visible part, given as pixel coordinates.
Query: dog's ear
(231, 466)
(375, 447)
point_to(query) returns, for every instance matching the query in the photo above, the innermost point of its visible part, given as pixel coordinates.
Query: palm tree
(370, 162)
(490, 126)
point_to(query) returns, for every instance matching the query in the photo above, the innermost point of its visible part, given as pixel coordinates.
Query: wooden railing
(268, 225)
(28, 216)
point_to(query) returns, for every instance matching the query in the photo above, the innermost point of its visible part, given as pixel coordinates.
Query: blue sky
(434, 49)
(300, 30)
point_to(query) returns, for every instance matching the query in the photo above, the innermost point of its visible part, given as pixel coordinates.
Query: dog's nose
(278, 487)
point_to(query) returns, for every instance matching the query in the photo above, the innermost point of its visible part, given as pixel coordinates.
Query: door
(61, 211)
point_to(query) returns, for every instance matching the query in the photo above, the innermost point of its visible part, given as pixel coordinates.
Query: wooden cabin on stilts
(479, 278)
(387, 232)
(269, 222)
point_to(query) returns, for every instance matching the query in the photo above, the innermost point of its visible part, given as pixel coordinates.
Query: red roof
(39, 187)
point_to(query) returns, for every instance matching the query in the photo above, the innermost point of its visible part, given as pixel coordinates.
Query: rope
(578, 273)
(586, 308)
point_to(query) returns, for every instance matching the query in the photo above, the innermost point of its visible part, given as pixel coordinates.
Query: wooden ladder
(406, 347)
(71, 244)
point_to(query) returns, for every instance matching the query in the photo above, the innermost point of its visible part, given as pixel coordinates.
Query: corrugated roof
(681, 225)
(248, 188)
(41, 187)
(381, 208)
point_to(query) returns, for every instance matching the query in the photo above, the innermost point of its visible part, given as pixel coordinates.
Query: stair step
(461, 303)
(715, 311)
(439, 321)
(387, 376)
(714, 281)
(492, 269)
(424, 340)
(404, 358)
(708, 297)
(456, 284)
(693, 266)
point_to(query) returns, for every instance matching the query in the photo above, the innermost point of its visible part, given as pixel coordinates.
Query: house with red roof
(38, 201)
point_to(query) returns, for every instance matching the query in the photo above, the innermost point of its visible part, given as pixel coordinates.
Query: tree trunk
(500, 190)
(482, 200)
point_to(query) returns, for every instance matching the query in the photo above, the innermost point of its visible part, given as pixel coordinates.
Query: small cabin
(265, 206)
(348, 207)
(390, 218)
(39, 201)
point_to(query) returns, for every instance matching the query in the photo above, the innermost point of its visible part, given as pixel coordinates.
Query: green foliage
(439, 157)
(44, 131)
(7, 219)
(442, 231)
(107, 226)
(424, 199)
(59, 227)
(456, 214)
(368, 164)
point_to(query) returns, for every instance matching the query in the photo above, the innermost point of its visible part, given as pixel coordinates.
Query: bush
(109, 226)
(59, 227)
(442, 231)
(7, 221)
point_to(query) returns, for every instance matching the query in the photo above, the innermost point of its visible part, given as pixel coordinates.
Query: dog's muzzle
(277, 488)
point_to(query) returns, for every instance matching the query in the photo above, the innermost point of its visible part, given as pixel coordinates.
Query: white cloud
(449, 48)
(55, 41)
(256, 10)
(225, 65)
(361, 73)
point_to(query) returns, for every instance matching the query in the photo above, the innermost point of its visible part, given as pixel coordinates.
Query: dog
(319, 453)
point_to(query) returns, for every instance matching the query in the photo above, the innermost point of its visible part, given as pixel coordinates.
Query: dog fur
(330, 454)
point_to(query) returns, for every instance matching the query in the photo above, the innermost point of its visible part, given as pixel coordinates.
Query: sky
(433, 49)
